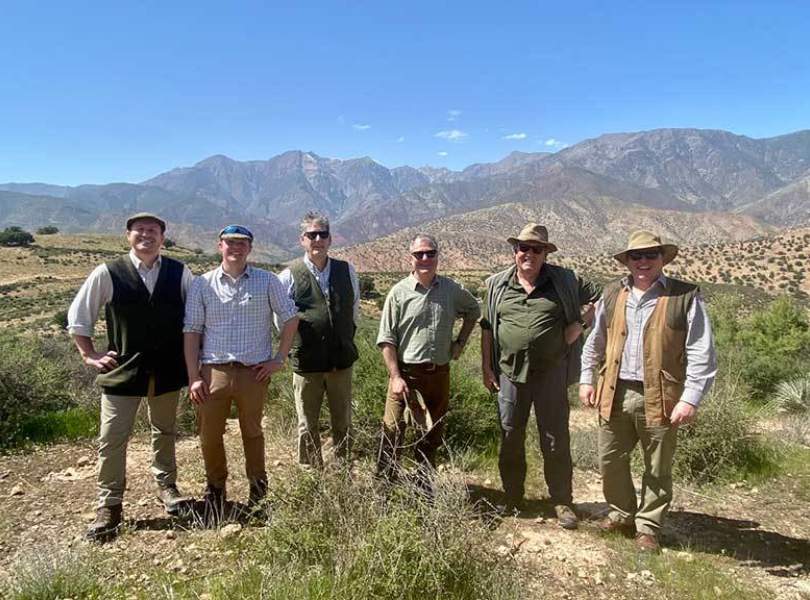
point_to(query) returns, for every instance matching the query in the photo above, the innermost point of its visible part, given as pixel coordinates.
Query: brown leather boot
(566, 517)
(647, 542)
(609, 525)
(107, 524)
(171, 498)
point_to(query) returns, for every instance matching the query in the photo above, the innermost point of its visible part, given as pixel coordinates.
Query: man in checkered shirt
(229, 357)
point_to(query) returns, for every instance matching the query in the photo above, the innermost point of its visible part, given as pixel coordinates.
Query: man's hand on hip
(102, 361)
(683, 414)
(198, 391)
(587, 395)
(267, 368)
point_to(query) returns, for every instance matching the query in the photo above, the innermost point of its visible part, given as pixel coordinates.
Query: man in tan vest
(653, 349)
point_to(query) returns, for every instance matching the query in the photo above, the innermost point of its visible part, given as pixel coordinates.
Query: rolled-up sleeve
(593, 352)
(468, 307)
(96, 291)
(701, 359)
(388, 322)
(282, 305)
(194, 321)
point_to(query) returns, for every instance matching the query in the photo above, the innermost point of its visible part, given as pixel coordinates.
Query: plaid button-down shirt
(235, 316)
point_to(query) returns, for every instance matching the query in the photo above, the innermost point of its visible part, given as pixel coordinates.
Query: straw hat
(643, 240)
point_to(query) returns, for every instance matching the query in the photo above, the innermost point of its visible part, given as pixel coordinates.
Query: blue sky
(95, 92)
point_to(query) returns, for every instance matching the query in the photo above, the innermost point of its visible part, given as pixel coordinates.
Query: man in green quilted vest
(653, 350)
(326, 292)
(143, 296)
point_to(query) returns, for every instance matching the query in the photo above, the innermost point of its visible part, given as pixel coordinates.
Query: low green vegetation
(15, 236)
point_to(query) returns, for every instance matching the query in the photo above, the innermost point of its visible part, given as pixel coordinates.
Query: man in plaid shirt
(229, 357)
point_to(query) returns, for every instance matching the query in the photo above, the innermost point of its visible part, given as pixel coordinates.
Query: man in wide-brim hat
(530, 342)
(652, 347)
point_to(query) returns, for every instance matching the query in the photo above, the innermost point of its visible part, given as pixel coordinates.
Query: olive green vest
(664, 349)
(325, 337)
(146, 331)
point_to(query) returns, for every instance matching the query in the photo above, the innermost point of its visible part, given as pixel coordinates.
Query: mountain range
(697, 185)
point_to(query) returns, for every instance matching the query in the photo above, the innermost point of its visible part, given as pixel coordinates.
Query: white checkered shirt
(235, 316)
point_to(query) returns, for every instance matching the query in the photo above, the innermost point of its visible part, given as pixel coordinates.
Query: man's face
(145, 236)
(316, 241)
(424, 258)
(234, 250)
(529, 259)
(645, 266)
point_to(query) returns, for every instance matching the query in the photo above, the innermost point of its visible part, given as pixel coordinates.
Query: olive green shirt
(531, 327)
(419, 321)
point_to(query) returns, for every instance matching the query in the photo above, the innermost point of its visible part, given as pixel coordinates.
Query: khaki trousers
(617, 439)
(117, 420)
(309, 390)
(434, 385)
(229, 383)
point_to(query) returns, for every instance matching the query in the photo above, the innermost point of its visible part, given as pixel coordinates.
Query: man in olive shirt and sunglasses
(416, 339)
(533, 319)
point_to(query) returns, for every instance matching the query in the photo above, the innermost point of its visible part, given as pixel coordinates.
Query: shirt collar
(627, 281)
(220, 273)
(414, 282)
(140, 265)
(311, 265)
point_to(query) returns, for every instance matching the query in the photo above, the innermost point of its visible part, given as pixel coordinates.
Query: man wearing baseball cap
(652, 347)
(229, 357)
(534, 316)
(143, 295)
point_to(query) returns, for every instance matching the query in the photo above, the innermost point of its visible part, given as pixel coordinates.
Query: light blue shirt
(701, 360)
(235, 316)
(322, 277)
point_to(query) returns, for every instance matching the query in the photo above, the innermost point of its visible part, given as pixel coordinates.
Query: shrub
(60, 318)
(45, 575)
(331, 537)
(793, 396)
(15, 236)
(367, 290)
(169, 243)
(47, 230)
(721, 443)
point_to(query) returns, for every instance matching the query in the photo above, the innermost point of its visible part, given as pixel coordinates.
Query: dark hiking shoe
(258, 492)
(609, 525)
(171, 498)
(107, 524)
(647, 542)
(566, 516)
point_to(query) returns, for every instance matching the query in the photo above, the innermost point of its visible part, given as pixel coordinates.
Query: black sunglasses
(313, 235)
(424, 254)
(529, 248)
(648, 254)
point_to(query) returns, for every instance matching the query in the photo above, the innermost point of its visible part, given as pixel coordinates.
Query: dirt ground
(755, 535)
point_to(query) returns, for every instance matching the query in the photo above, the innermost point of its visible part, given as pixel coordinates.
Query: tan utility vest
(664, 349)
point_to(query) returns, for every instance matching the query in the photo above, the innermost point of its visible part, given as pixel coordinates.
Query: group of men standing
(651, 346)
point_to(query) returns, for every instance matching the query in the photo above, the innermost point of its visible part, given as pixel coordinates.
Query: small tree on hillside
(15, 236)
(47, 230)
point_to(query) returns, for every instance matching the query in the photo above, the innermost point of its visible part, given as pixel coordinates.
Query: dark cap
(235, 232)
(148, 216)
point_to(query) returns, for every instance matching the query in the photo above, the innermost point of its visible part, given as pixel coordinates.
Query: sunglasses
(425, 254)
(648, 254)
(529, 248)
(314, 235)
(236, 230)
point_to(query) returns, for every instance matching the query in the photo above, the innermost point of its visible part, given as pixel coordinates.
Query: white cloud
(361, 126)
(515, 136)
(451, 135)
(441, 154)
(453, 114)
(554, 143)
(400, 139)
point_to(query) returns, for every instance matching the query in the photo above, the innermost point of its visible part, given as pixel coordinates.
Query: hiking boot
(510, 508)
(609, 525)
(171, 498)
(566, 517)
(214, 497)
(647, 542)
(258, 492)
(108, 522)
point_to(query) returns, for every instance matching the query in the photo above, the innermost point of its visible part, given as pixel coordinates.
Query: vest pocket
(671, 390)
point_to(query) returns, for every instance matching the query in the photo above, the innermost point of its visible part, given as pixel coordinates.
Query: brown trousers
(232, 383)
(433, 382)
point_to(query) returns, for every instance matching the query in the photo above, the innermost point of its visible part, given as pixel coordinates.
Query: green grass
(59, 426)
